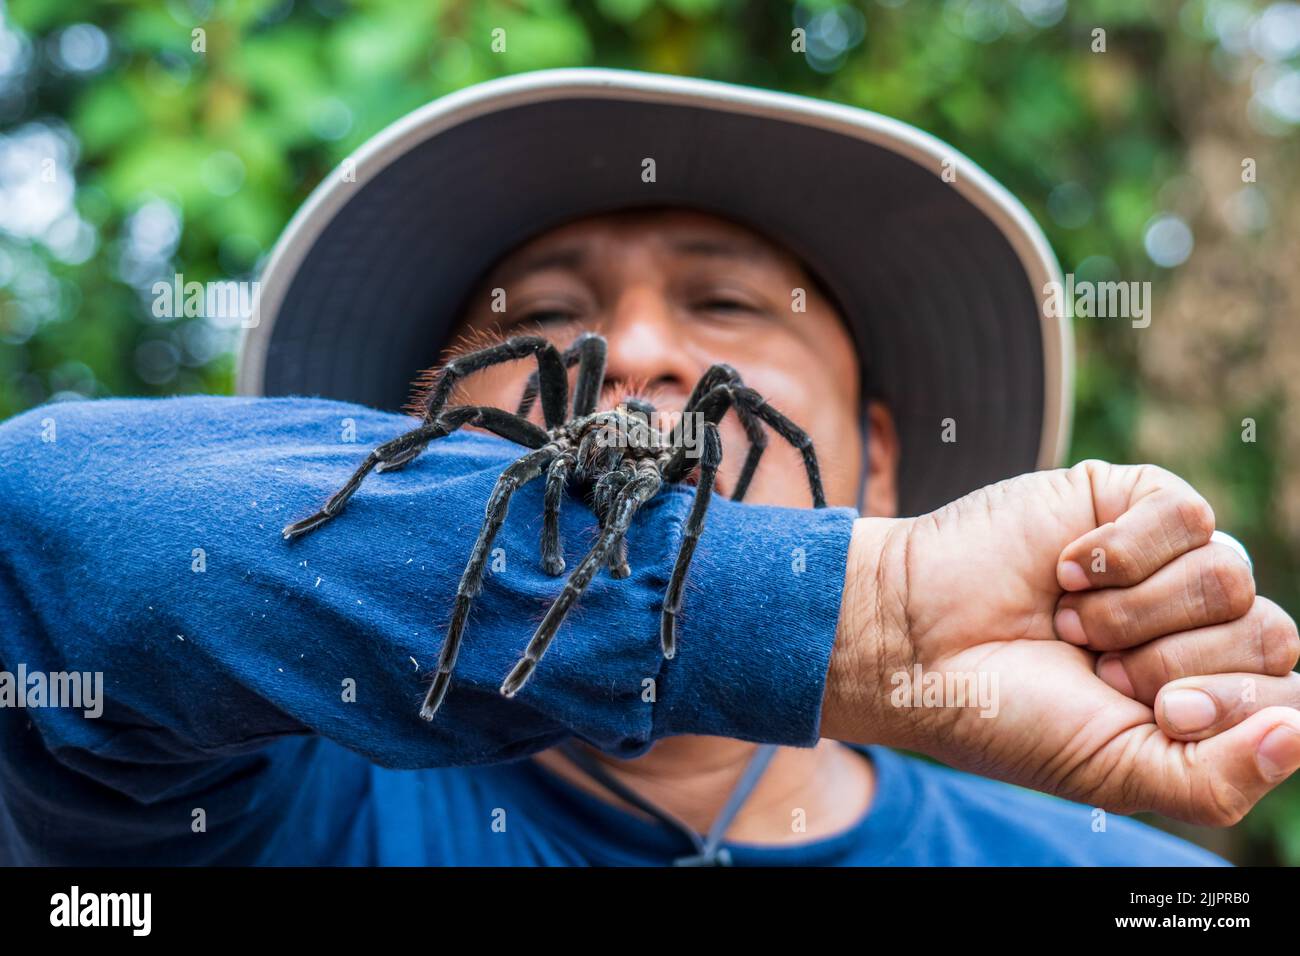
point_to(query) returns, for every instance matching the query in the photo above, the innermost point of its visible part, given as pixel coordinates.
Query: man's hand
(1135, 667)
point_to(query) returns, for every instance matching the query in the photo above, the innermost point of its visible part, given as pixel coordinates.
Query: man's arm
(140, 539)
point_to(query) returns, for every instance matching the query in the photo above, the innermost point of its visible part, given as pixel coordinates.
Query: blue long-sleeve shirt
(260, 698)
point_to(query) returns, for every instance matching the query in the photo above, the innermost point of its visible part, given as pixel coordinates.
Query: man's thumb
(1216, 781)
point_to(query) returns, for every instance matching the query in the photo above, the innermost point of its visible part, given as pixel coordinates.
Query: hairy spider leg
(715, 405)
(714, 376)
(710, 459)
(405, 447)
(550, 370)
(596, 453)
(588, 352)
(516, 475)
(605, 494)
(611, 483)
(496, 420)
(399, 448)
(638, 491)
(599, 458)
(591, 349)
(557, 479)
(614, 433)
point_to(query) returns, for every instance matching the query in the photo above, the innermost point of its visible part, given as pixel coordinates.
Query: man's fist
(1131, 664)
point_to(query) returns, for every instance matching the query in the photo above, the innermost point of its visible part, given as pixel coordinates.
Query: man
(209, 723)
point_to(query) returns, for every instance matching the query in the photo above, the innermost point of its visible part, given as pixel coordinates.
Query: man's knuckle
(1168, 661)
(1195, 518)
(1226, 804)
(1121, 567)
(1227, 586)
(1115, 620)
(1279, 640)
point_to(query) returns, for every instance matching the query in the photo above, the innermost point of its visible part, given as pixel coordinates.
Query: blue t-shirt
(259, 698)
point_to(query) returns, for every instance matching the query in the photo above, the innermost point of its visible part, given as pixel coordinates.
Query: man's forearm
(143, 542)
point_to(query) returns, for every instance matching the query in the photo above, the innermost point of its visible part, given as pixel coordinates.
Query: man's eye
(728, 306)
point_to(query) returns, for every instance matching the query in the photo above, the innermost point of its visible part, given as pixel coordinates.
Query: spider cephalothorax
(617, 454)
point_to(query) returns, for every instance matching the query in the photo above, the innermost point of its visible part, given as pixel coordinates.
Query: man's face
(673, 292)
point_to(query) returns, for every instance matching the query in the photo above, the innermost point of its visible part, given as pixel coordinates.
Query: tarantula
(615, 455)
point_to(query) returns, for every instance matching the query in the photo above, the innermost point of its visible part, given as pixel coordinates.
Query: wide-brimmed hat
(941, 274)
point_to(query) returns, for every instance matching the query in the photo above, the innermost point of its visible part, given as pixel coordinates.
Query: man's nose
(647, 345)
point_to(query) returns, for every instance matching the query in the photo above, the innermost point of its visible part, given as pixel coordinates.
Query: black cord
(705, 850)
